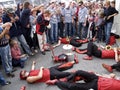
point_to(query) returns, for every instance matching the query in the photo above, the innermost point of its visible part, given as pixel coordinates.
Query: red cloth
(112, 40)
(77, 11)
(64, 41)
(16, 53)
(108, 54)
(37, 29)
(45, 77)
(108, 84)
(40, 26)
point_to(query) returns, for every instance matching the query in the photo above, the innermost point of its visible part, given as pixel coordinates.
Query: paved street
(46, 61)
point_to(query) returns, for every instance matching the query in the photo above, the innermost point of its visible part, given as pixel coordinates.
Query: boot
(63, 79)
(76, 59)
(81, 52)
(107, 67)
(23, 88)
(51, 82)
(73, 49)
(77, 78)
(87, 58)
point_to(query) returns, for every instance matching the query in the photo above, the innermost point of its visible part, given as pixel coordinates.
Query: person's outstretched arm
(33, 65)
(116, 55)
(58, 44)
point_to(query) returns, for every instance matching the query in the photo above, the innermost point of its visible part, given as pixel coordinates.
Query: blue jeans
(100, 33)
(2, 79)
(108, 27)
(6, 58)
(24, 44)
(82, 30)
(23, 59)
(19, 62)
(73, 30)
(68, 29)
(54, 32)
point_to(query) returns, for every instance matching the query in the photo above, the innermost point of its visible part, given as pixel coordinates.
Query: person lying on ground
(43, 74)
(114, 66)
(73, 41)
(110, 68)
(91, 81)
(104, 52)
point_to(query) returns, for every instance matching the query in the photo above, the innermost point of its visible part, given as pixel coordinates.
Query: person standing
(109, 12)
(16, 30)
(82, 19)
(42, 22)
(25, 21)
(5, 52)
(53, 22)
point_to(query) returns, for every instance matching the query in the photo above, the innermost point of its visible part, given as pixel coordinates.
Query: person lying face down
(44, 74)
(91, 81)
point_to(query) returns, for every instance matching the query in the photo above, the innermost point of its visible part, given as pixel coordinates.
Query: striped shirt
(53, 18)
(82, 14)
(68, 13)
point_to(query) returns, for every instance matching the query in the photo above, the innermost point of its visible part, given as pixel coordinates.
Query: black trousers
(75, 43)
(91, 82)
(61, 29)
(56, 71)
(116, 66)
(92, 49)
(26, 33)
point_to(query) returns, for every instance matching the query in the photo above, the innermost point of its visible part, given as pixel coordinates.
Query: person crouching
(18, 59)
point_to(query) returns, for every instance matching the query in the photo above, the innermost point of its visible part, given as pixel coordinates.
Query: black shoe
(43, 53)
(31, 54)
(14, 69)
(52, 42)
(47, 50)
(7, 83)
(10, 75)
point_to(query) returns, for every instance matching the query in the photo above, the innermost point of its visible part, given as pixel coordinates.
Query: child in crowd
(91, 24)
(18, 59)
(33, 35)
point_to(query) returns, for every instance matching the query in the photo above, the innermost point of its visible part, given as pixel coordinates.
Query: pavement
(46, 61)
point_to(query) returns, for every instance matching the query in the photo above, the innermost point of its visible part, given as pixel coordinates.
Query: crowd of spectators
(25, 28)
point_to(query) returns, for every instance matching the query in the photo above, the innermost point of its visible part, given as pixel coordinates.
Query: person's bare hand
(42, 68)
(34, 62)
(28, 26)
(16, 18)
(23, 55)
(108, 17)
(115, 49)
(12, 19)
